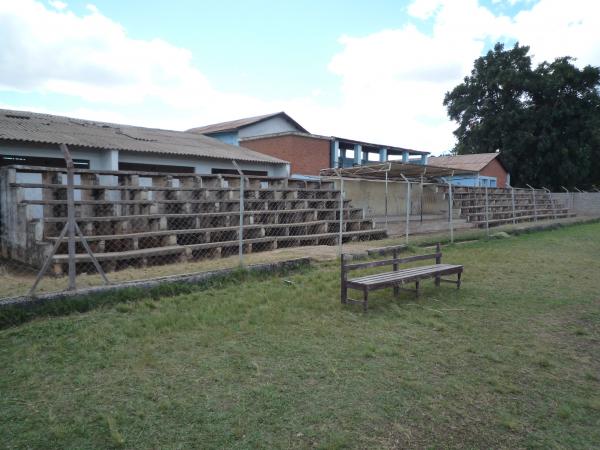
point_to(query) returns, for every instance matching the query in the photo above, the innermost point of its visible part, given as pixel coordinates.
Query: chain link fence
(64, 229)
(67, 229)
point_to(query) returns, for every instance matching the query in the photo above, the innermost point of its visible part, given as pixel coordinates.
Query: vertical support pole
(487, 213)
(357, 154)
(534, 204)
(386, 200)
(241, 246)
(341, 230)
(512, 192)
(438, 260)
(70, 216)
(552, 203)
(395, 268)
(343, 288)
(450, 208)
(241, 229)
(421, 199)
(535, 214)
(407, 207)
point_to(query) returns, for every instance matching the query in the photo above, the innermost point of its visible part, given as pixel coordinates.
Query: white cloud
(57, 4)
(392, 82)
(93, 58)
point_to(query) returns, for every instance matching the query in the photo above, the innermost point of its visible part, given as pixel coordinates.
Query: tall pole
(70, 216)
(241, 229)
(341, 230)
(487, 213)
(407, 225)
(386, 199)
(534, 204)
(512, 192)
(450, 205)
(70, 228)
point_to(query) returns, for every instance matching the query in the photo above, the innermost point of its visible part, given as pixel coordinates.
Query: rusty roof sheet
(474, 162)
(49, 129)
(395, 170)
(233, 125)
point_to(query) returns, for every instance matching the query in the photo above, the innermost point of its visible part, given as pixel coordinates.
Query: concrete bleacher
(506, 205)
(138, 219)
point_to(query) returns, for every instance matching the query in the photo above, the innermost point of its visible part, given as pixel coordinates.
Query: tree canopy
(545, 121)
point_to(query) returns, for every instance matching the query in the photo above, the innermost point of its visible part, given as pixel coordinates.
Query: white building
(28, 138)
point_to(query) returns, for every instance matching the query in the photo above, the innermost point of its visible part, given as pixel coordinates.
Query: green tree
(545, 121)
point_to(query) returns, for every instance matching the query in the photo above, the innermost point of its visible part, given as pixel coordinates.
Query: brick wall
(307, 155)
(495, 169)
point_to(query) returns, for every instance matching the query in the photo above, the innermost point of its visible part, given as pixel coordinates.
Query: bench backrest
(394, 261)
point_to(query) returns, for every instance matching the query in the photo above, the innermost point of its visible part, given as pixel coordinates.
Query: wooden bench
(397, 278)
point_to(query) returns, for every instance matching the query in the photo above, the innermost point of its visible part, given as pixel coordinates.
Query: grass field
(510, 360)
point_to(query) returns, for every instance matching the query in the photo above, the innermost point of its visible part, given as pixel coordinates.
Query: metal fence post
(450, 209)
(386, 201)
(549, 192)
(241, 229)
(71, 227)
(487, 213)
(534, 204)
(341, 227)
(512, 192)
(70, 217)
(407, 225)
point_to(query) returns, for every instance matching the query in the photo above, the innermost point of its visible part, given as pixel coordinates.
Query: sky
(375, 71)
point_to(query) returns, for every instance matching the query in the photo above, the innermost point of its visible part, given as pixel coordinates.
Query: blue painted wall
(473, 181)
(230, 137)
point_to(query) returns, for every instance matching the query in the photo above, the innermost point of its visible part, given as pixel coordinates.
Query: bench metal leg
(438, 281)
(365, 300)
(458, 280)
(417, 288)
(396, 290)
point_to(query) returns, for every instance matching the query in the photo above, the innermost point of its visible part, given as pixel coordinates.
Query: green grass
(510, 360)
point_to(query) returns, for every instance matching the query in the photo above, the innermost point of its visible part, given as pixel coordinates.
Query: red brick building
(279, 134)
(308, 154)
(490, 170)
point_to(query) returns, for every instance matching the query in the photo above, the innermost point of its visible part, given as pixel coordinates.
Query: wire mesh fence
(119, 226)
(70, 229)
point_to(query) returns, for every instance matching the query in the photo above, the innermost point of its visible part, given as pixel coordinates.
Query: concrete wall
(270, 126)
(370, 195)
(307, 155)
(582, 203)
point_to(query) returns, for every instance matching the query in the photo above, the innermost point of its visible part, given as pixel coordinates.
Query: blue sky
(372, 70)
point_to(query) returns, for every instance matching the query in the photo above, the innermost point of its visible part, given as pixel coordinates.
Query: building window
(11, 160)
(138, 167)
(257, 173)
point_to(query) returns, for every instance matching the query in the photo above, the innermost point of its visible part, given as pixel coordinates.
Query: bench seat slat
(404, 275)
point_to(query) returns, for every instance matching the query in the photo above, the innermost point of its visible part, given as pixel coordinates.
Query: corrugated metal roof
(49, 129)
(394, 171)
(475, 162)
(234, 125)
